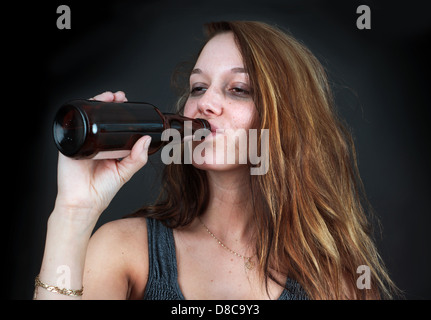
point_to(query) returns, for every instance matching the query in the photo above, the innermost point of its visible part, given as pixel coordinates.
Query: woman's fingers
(135, 160)
(109, 96)
(120, 96)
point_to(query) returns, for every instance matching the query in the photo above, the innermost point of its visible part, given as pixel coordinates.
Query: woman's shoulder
(124, 228)
(122, 234)
(127, 237)
(120, 249)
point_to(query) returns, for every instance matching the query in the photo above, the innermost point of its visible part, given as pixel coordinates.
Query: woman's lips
(215, 129)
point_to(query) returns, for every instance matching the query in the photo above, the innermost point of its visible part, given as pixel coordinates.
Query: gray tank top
(163, 274)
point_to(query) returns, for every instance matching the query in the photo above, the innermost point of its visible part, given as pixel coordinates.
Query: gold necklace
(248, 263)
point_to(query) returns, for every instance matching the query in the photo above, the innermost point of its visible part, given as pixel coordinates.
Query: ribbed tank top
(163, 274)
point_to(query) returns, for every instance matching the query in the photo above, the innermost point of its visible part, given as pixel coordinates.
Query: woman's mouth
(215, 129)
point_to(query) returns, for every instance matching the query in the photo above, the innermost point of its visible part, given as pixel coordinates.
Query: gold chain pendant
(249, 264)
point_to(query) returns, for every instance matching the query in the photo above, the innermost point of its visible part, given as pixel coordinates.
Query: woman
(298, 231)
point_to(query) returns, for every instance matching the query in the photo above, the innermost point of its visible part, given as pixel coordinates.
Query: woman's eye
(240, 91)
(198, 90)
(237, 91)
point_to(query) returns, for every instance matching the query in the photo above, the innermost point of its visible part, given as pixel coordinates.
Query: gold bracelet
(66, 292)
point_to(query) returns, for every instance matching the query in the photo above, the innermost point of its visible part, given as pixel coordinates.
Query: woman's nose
(210, 103)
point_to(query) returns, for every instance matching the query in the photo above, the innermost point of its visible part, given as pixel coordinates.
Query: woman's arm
(116, 266)
(85, 189)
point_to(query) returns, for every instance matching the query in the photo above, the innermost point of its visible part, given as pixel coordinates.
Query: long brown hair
(309, 206)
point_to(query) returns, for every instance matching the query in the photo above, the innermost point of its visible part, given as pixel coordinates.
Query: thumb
(137, 158)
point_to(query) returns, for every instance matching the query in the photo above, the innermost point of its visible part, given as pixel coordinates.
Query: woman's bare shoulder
(118, 254)
(126, 234)
(124, 228)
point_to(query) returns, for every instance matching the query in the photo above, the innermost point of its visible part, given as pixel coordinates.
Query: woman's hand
(86, 187)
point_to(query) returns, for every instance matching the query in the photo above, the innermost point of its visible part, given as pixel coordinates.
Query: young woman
(299, 231)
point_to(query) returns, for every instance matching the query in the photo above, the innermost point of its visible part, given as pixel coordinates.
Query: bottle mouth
(69, 130)
(206, 124)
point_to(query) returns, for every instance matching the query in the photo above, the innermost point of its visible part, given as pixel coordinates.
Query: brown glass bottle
(90, 129)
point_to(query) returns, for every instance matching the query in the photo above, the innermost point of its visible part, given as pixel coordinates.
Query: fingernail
(147, 143)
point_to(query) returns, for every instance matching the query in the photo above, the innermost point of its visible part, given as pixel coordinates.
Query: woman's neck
(229, 212)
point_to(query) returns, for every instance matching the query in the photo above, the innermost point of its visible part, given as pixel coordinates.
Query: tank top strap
(293, 291)
(162, 281)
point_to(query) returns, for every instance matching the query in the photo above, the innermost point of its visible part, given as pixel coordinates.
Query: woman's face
(221, 93)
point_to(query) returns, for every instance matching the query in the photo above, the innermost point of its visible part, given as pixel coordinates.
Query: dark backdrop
(380, 78)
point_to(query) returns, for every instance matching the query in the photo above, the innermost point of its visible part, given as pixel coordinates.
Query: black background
(380, 78)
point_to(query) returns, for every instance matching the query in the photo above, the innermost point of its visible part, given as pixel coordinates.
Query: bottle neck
(175, 121)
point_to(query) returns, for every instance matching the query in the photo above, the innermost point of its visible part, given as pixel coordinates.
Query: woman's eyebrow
(238, 70)
(233, 70)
